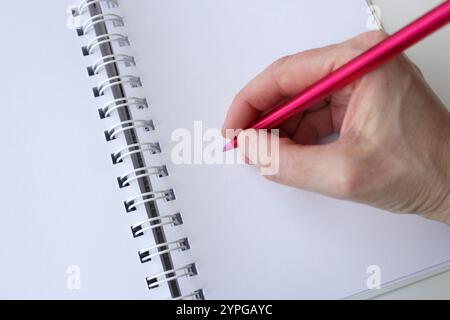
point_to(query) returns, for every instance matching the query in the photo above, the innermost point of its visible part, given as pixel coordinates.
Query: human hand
(393, 150)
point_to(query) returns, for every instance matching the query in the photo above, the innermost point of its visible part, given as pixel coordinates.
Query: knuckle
(280, 63)
(349, 54)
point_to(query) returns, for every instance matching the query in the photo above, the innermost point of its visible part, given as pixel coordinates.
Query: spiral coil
(133, 81)
(109, 38)
(123, 126)
(153, 251)
(127, 60)
(93, 19)
(156, 280)
(119, 103)
(85, 4)
(127, 151)
(125, 179)
(138, 229)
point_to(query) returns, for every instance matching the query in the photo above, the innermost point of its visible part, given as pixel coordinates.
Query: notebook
(97, 201)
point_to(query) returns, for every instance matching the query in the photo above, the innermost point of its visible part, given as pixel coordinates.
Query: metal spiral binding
(132, 203)
(162, 277)
(119, 155)
(134, 81)
(140, 228)
(97, 17)
(112, 132)
(96, 42)
(127, 60)
(89, 24)
(196, 295)
(117, 104)
(85, 4)
(125, 179)
(154, 251)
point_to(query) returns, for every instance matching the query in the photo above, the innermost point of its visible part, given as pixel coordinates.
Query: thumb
(325, 169)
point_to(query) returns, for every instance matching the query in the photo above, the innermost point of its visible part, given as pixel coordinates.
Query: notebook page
(249, 237)
(64, 232)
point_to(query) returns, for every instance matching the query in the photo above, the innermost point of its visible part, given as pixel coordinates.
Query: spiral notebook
(93, 205)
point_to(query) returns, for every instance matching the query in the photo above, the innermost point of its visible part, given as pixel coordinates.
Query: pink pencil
(358, 67)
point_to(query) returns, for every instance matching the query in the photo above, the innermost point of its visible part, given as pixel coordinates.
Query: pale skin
(393, 150)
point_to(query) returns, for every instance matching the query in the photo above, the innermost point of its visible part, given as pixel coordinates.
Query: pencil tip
(230, 145)
(227, 147)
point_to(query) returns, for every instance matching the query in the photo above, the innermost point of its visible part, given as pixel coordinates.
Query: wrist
(442, 211)
(439, 207)
(447, 211)
(445, 208)
(442, 214)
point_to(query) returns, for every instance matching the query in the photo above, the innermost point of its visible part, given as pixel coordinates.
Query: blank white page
(64, 233)
(251, 238)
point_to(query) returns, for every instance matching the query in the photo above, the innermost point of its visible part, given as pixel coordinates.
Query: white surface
(432, 56)
(251, 238)
(436, 287)
(60, 203)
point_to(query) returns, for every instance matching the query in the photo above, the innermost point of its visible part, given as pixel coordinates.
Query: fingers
(290, 75)
(286, 77)
(313, 126)
(318, 168)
